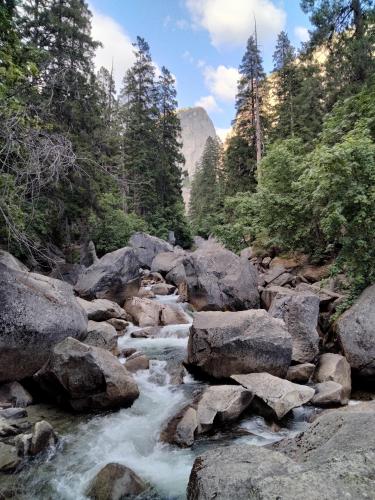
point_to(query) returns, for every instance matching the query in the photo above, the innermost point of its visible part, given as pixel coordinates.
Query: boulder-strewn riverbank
(179, 353)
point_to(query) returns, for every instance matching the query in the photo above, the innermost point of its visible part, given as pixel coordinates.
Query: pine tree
(169, 214)
(286, 87)
(206, 189)
(345, 28)
(140, 142)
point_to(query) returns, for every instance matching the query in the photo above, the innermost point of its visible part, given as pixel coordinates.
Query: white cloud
(230, 22)
(117, 47)
(302, 33)
(182, 24)
(222, 82)
(208, 103)
(223, 132)
(188, 57)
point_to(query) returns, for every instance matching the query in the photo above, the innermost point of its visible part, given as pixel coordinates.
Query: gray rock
(10, 261)
(86, 377)
(114, 277)
(278, 395)
(101, 334)
(141, 362)
(13, 413)
(163, 289)
(217, 279)
(43, 437)
(325, 295)
(147, 247)
(115, 482)
(300, 373)
(101, 309)
(88, 255)
(356, 333)
(329, 394)
(224, 343)
(15, 394)
(166, 262)
(334, 367)
(334, 458)
(247, 253)
(147, 312)
(68, 272)
(273, 273)
(9, 459)
(300, 312)
(235, 473)
(118, 324)
(217, 405)
(36, 312)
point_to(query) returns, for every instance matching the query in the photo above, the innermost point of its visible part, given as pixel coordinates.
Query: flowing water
(131, 436)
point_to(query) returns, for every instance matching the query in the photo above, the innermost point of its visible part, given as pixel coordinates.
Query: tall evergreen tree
(140, 142)
(205, 190)
(345, 28)
(286, 87)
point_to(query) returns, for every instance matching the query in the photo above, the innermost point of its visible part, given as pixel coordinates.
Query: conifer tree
(205, 191)
(140, 141)
(286, 87)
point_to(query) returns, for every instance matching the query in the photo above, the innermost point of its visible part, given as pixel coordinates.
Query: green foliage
(111, 228)
(239, 167)
(205, 196)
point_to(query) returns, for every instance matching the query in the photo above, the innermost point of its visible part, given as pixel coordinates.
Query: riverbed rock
(115, 482)
(36, 312)
(114, 277)
(225, 343)
(217, 279)
(15, 394)
(13, 413)
(329, 394)
(300, 373)
(147, 312)
(43, 437)
(118, 324)
(236, 472)
(334, 367)
(165, 262)
(355, 330)
(135, 363)
(67, 272)
(86, 377)
(10, 261)
(277, 396)
(101, 309)
(9, 459)
(300, 312)
(217, 405)
(254, 473)
(163, 289)
(148, 247)
(101, 334)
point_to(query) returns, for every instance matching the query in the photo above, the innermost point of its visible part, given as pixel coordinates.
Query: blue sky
(200, 41)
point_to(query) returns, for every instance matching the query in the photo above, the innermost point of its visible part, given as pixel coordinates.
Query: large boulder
(86, 377)
(224, 343)
(300, 373)
(300, 312)
(334, 458)
(101, 334)
(328, 394)
(36, 313)
(218, 405)
(334, 367)
(14, 394)
(115, 482)
(217, 279)
(356, 333)
(114, 277)
(275, 395)
(167, 262)
(147, 247)
(147, 312)
(67, 272)
(10, 261)
(102, 309)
